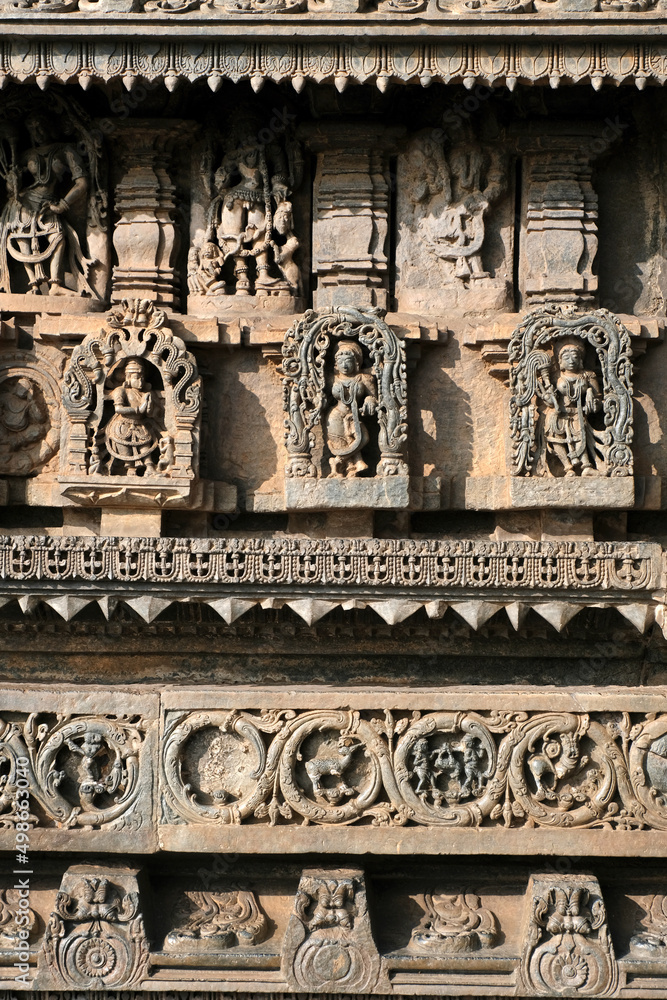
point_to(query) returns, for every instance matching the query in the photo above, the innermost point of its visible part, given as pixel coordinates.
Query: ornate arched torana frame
(135, 329)
(530, 351)
(305, 350)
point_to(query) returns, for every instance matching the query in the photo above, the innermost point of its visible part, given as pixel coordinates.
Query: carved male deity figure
(45, 185)
(355, 396)
(574, 399)
(250, 220)
(131, 436)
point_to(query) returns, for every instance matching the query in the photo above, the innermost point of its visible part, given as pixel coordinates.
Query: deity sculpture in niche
(326, 382)
(447, 188)
(249, 242)
(132, 396)
(571, 405)
(54, 198)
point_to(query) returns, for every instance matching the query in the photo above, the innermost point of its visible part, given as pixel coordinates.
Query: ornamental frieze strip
(510, 62)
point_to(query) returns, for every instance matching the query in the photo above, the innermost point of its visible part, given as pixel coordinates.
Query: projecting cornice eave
(495, 51)
(395, 578)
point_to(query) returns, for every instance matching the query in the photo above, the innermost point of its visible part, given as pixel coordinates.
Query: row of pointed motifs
(226, 773)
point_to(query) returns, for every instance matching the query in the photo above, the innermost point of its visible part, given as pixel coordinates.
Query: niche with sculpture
(132, 400)
(53, 239)
(570, 411)
(30, 410)
(455, 216)
(243, 239)
(345, 405)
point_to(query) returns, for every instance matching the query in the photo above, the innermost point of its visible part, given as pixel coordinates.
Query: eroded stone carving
(568, 950)
(29, 409)
(651, 935)
(95, 936)
(83, 772)
(565, 418)
(350, 336)
(55, 198)
(454, 924)
(215, 921)
(329, 945)
(446, 196)
(249, 244)
(15, 934)
(132, 395)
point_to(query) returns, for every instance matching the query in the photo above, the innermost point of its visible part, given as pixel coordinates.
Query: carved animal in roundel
(331, 762)
(559, 758)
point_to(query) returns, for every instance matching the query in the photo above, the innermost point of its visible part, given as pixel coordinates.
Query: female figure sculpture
(131, 436)
(356, 396)
(575, 398)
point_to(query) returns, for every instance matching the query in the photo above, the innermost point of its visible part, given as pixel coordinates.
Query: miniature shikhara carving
(54, 198)
(215, 921)
(29, 409)
(568, 950)
(454, 924)
(329, 945)
(571, 404)
(326, 381)
(250, 242)
(132, 395)
(95, 937)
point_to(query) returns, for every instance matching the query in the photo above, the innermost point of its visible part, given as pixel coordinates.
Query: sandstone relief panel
(132, 398)
(53, 221)
(343, 375)
(454, 219)
(244, 239)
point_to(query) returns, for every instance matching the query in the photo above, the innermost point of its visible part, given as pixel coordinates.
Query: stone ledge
(533, 493)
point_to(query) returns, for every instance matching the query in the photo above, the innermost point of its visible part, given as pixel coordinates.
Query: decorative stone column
(351, 212)
(559, 214)
(146, 235)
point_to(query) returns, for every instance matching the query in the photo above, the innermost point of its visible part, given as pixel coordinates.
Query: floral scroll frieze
(83, 772)
(551, 770)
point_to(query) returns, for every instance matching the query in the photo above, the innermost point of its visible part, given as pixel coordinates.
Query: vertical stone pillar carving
(351, 212)
(568, 950)
(559, 216)
(146, 235)
(329, 946)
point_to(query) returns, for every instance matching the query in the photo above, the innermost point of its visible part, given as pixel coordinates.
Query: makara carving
(84, 772)
(341, 368)
(29, 409)
(55, 197)
(329, 945)
(552, 769)
(95, 937)
(215, 921)
(132, 395)
(454, 924)
(571, 404)
(568, 950)
(249, 244)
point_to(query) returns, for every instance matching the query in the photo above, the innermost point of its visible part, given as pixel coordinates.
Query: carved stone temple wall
(333, 499)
